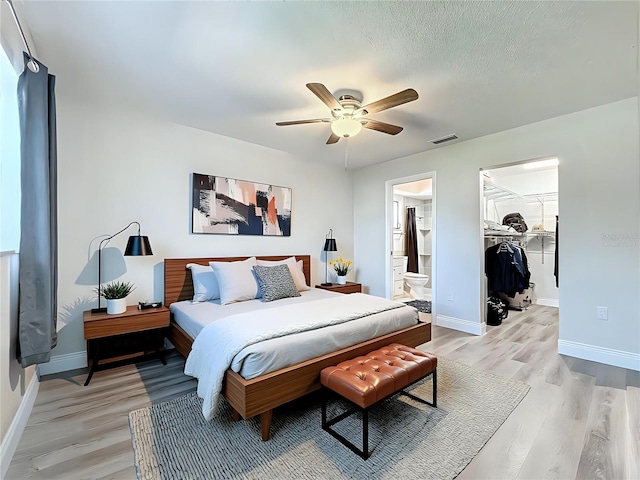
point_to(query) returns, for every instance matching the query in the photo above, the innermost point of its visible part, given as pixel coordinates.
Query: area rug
(407, 439)
(423, 306)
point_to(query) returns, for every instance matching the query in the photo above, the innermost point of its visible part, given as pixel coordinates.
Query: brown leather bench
(369, 379)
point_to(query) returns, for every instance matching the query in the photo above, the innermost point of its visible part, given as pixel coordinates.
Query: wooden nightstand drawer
(133, 320)
(350, 287)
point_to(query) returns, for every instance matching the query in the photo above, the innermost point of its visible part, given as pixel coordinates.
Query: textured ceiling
(236, 68)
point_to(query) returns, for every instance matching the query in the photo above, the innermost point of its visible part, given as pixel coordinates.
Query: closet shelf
(504, 235)
(498, 193)
(541, 234)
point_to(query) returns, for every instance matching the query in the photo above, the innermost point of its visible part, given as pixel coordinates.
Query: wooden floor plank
(580, 419)
(604, 454)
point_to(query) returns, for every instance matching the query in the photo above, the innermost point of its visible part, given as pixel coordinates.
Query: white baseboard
(63, 363)
(461, 325)
(548, 302)
(608, 356)
(12, 437)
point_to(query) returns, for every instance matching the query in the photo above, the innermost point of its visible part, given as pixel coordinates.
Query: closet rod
(32, 64)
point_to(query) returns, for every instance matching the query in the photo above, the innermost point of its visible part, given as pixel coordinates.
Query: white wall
(115, 167)
(599, 185)
(18, 386)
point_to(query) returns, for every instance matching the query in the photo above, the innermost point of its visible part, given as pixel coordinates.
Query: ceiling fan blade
(299, 122)
(333, 139)
(325, 95)
(382, 127)
(405, 96)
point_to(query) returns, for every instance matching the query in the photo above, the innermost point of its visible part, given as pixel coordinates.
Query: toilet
(416, 281)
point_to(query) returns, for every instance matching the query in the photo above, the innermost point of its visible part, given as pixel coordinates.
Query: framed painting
(238, 207)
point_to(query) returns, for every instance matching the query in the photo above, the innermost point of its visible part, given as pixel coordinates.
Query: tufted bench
(369, 379)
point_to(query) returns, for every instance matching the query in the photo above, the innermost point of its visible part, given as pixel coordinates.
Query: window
(9, 157)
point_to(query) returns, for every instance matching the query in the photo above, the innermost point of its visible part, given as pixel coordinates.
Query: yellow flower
(341, 266)
(332, 262)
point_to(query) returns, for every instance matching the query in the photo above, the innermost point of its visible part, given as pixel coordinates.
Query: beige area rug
(407, 439)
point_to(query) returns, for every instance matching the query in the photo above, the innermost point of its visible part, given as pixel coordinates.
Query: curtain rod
(32, 64)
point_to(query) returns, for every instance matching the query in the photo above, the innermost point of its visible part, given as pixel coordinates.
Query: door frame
(388, 264)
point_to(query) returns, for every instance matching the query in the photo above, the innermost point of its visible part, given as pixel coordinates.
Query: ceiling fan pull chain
(346, 151)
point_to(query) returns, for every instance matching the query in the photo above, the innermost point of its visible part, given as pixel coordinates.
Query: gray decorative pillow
(275, 282)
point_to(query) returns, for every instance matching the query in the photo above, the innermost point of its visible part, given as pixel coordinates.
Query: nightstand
(350, 287)
(125, 335)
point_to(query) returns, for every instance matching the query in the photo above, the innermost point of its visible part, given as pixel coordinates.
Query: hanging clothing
(411, 241)
(555, 264)
(507, 268)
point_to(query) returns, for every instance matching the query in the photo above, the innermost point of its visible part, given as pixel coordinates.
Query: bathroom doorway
(411, 238)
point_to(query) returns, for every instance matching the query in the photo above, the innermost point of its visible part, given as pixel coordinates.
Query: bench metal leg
(364, 453)
(326, 426)
(434, 395)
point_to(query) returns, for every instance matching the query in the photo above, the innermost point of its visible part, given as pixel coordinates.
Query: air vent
(447, 138)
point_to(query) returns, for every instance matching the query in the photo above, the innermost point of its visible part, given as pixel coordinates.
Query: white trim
(63, 363)
(608, 356)
(548, 302)
(20, 419)
(461, 325)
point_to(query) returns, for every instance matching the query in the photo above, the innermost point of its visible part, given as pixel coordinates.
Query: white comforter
(213, 350)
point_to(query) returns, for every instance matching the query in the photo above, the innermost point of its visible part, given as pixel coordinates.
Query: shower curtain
(411, 241)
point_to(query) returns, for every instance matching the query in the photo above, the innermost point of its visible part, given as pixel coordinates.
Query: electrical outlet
(450, 297)
(602, 313)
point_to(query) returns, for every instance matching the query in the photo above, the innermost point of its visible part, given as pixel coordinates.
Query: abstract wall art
(237, 207)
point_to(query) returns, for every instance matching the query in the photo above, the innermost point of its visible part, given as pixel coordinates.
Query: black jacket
(507, 268)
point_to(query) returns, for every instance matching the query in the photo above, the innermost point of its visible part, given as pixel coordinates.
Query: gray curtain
(38, 217)
(411, 241)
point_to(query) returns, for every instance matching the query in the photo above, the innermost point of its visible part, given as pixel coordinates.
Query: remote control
(145, 305)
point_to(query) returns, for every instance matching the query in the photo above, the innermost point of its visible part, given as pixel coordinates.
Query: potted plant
(115, 293)
(342, 267)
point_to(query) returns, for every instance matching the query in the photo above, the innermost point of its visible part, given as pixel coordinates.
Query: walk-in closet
(520, 205)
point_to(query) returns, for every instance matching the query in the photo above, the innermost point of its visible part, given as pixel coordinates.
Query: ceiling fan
(348, 115)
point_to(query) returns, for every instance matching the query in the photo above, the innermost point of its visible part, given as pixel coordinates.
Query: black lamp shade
(330, 245)
(138, 245)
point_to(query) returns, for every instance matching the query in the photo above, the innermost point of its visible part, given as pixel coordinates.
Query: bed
(260, 395)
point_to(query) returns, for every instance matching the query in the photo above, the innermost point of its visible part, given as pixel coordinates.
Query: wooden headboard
(177, 277)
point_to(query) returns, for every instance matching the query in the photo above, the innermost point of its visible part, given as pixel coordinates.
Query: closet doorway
(411, 223)
(520, 212)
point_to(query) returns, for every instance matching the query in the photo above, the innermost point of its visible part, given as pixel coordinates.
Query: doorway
(411, 224)
(521, 209)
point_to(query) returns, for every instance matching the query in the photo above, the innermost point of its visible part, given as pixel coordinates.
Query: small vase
(116, 305)
(342, 280)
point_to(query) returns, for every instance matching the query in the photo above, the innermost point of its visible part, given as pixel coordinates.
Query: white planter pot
(342, 280)
(115, 306)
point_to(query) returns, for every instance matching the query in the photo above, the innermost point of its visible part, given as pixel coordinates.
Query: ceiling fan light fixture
(346, 127)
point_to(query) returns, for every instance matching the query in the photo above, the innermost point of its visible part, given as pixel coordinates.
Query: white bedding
(292, 333)
(193, 317)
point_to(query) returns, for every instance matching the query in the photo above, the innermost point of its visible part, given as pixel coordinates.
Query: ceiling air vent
(446, 138)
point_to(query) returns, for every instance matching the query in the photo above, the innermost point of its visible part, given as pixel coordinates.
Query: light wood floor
(580, 419)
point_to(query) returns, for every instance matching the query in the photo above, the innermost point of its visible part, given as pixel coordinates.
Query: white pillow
(295, 267)
(236, 280)
(205, 284)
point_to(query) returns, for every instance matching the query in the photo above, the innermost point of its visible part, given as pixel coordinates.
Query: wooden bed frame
(260, 395)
